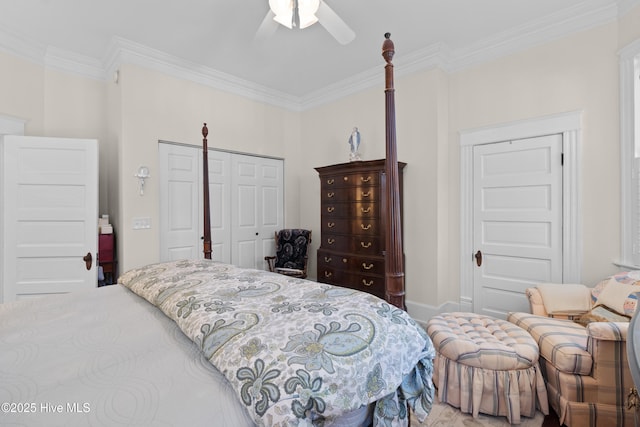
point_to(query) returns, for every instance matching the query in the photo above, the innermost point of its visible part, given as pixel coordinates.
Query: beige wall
(421, 144)
(154, 107)
(629, 27)
(576, 73)
(22, 89)
(54, 103)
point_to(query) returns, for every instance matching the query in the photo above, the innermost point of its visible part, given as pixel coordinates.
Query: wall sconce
(142, 174)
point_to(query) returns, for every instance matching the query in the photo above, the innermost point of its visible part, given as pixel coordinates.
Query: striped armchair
(585, 367)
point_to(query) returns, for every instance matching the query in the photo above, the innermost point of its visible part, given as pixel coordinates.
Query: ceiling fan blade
(267, 28)
(334, 24)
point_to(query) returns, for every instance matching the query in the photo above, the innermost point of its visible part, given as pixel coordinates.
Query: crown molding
(70, 62)
(123, 51)
(625, 6)
(22, 47)
(589, 14)
(49, 56)
(433, 56)
(584, 16)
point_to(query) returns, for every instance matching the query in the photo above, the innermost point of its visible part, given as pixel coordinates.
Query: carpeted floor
(443, 415)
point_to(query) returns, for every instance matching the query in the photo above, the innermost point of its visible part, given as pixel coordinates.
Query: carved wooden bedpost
(205, 180)
(394, 269)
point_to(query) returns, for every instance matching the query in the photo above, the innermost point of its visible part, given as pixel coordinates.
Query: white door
(50, 215)
(257, 208)
(517, 221)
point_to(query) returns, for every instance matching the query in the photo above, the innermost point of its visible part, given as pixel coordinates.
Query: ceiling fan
(299, 14)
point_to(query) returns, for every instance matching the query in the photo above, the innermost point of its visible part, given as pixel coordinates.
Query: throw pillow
(618, 292)
(565, 297)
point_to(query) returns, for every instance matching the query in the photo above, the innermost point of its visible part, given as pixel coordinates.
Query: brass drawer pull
(365, 227)
(364, 282)
(367, 179)
(346, 178)
(331, 194)
(331, 224)
(344, 260)
(365, 245)
(367, 210)
(367, 194)
(331, 209)
(327, 259)
(330, 181)
(367, 267)
(331, 241)
(328, 274)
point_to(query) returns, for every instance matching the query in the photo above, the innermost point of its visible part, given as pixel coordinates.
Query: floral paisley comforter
(297, 352)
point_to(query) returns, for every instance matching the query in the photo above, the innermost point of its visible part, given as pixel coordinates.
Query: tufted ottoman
(487, 365)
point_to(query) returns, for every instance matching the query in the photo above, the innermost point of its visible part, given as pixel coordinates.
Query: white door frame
(11, 125)
(567, 124)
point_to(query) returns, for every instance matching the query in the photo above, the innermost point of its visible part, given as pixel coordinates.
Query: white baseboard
(421, 313)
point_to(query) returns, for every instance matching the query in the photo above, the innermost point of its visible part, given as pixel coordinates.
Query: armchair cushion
(561, 342)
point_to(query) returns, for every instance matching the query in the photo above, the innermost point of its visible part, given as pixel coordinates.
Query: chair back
(291, 248)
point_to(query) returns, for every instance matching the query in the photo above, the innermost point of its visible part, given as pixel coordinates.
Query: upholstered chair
(581, 333)
(292, 248)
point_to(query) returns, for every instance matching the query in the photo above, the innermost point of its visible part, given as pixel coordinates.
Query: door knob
(88, 259)
(478, 257)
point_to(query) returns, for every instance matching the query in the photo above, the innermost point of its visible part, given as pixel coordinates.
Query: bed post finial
(394, 268)
(206, 237)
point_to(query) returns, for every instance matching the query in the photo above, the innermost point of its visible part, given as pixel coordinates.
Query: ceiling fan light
(307, 10)
(283, 11)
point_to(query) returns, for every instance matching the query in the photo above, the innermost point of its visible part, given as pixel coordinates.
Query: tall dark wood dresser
(352, 245)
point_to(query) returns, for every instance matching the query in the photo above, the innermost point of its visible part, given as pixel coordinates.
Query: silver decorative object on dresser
(354, 142)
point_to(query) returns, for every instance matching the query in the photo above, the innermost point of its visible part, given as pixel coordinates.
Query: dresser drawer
(363, 245)
(363, 226)
(351, 210)
(351, 262)
(360, 179)
(332, 195)
(361, 282)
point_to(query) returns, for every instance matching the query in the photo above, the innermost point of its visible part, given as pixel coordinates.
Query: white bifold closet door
(246, 203)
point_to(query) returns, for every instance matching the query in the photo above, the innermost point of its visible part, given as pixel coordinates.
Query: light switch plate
(141, 223)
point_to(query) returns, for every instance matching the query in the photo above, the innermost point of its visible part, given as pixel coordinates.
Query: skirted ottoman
(487, 365)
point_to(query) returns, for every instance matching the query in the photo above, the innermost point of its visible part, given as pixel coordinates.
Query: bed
(199, 342)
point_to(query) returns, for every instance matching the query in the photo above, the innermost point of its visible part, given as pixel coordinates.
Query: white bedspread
(106, 357)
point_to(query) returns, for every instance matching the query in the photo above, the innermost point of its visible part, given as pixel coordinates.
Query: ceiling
(219, 34)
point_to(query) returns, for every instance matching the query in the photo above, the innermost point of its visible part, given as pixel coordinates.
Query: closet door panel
(246, 204)
(219, 196)
(179, 208)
